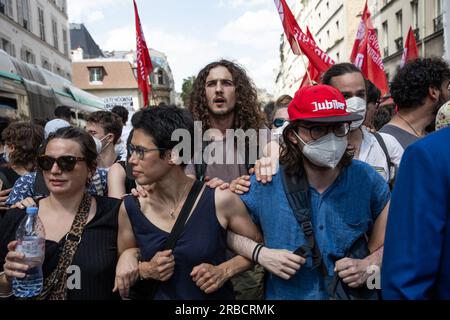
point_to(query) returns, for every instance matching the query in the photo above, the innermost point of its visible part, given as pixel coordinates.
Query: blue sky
(191, 32)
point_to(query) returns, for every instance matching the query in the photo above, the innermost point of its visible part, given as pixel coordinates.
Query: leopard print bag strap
(55, 285)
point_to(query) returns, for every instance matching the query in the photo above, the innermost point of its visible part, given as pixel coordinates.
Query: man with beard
(223, 97)
(419, 89)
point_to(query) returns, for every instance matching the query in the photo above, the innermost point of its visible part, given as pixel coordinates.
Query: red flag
(144, 63)
(313, 72)
(300, 41)
(368, 58)
(362, 32)
(410, 52)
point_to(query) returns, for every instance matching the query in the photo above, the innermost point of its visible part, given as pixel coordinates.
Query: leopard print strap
(55, 287)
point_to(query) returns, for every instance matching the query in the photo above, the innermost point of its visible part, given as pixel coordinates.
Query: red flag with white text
(368, 58)
(144, 63)
(410, 52)
(362, 32)
(299, 41)
(313, 72)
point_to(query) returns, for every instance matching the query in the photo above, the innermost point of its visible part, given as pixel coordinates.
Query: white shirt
(372, 153)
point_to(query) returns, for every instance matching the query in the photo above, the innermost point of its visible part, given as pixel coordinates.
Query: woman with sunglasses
(81, 230)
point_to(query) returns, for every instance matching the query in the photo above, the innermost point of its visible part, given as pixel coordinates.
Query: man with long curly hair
(419, 89)
(223, 97)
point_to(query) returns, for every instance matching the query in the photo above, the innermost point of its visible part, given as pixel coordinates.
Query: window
(23, 14)
(41, 23)
(415, 13)
(438, 7)
(27, 56)
(160, 77)
(8, 47)
(65, 43)
(6, 7)
(96, 74)
(55, 34)
(385, 38)
(399, 17)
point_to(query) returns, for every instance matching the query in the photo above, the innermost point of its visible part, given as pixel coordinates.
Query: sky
(192, 33)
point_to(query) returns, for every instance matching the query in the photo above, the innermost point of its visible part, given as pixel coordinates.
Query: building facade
(393, 18)
(334, 25)
(36, 31)
(114, 79)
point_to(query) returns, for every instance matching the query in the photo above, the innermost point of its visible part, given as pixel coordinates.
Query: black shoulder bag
(146, 289)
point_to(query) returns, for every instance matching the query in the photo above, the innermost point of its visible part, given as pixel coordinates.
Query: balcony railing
(399, 43)
(438, 23)
(386, 52)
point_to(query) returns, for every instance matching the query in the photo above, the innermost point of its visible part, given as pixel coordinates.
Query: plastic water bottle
(31, 242)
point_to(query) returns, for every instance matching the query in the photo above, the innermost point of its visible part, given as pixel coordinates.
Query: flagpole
(303, 60)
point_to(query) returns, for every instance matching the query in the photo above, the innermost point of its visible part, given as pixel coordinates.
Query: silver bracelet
(5, 295)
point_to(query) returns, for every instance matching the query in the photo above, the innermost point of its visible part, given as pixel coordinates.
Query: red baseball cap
(321, 103)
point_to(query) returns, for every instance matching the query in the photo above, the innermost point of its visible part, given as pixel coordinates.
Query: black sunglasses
(65, 163)
(278, 122)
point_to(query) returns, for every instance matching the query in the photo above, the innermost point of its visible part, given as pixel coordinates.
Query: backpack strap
(297, 193)
(200, 169)
(386, 153)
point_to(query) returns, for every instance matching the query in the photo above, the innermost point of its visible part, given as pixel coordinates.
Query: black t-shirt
(8, 177)
(96, 254)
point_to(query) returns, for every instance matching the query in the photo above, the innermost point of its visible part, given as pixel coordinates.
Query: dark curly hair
(412, 82)
(160, 122)
(291, 156)
(247, 111)
(84, 139)
(26, 139)
(110, 122)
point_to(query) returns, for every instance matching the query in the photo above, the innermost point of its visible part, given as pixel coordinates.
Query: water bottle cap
(32, 210)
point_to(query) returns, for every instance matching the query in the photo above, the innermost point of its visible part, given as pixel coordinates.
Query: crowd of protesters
(339, 190)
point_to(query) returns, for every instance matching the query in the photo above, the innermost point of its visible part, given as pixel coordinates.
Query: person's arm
(116, 181)
(232, 215)
(355, 272)
(417, 224)
(282, 263)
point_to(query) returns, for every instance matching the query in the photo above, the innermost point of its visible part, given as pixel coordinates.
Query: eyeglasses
(279, 122)
(140, 151)
(317, 132)
(65, 163)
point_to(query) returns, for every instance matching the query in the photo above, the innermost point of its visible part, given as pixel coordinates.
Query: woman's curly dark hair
(26, 139)
(412, 82)
(291, 156)
(247, 112)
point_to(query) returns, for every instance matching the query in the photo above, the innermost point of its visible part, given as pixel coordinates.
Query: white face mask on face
(278, 132)
(357, 106)
(99, 145)
(325, 152)
(6, 154)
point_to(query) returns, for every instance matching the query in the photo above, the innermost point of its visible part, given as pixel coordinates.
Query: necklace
(409, 125)
(172, 212)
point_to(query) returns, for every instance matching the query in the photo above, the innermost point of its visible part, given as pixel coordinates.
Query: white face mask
(278, 132)
(5, 154)
(358, 106)
(99, 145)
(326, 151)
